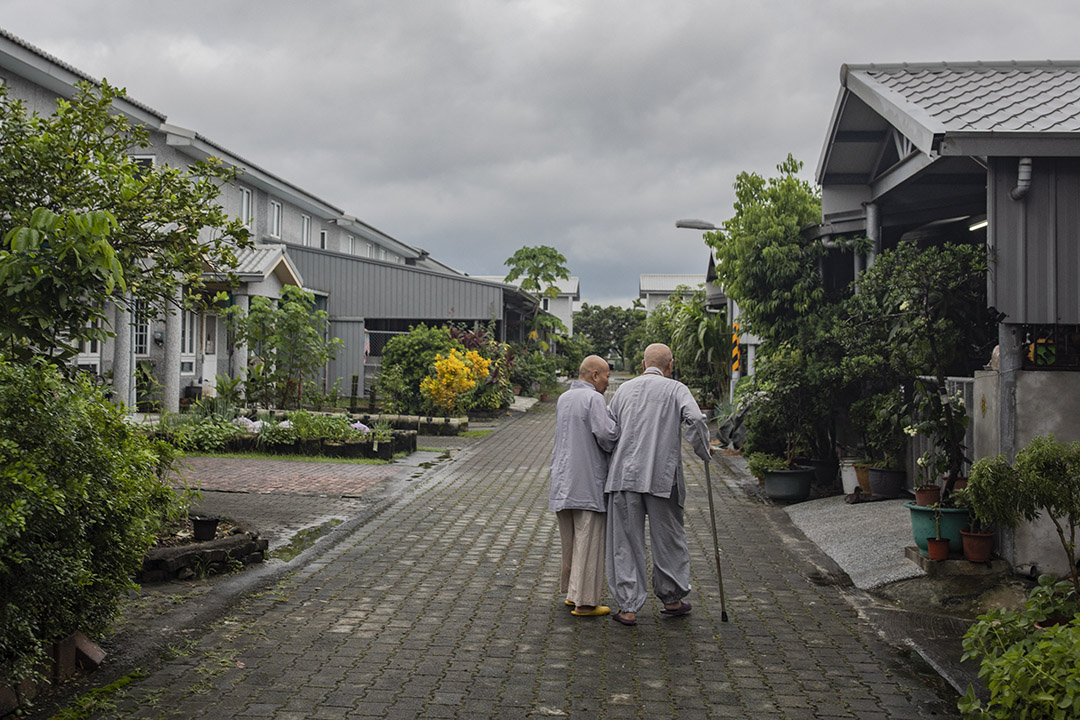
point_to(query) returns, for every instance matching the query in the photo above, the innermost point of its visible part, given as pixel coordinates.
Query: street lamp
(733, 309)
(695, 225)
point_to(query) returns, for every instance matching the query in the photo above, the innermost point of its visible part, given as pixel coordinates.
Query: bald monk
(584, 436)
(645, 477)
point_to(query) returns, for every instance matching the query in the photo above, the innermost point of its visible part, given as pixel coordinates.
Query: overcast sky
(471, 128)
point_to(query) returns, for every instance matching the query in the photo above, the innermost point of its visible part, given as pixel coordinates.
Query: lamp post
(732, 308)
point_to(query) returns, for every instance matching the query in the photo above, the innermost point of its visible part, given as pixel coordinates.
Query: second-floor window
(322, 239)
(141, 320)
(305, 230)
(369, 251)
(275, 219)
(351, 243)
(246, 216)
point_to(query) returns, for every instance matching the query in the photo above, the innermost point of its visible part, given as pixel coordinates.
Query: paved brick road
(445, 605)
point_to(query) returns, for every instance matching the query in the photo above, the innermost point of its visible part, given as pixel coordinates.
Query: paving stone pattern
(445, 604)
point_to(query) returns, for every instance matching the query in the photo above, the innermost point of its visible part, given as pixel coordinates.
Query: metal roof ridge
(49, 57)
(847, 68)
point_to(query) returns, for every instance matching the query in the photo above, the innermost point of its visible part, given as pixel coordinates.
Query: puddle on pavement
(303, 539)
(425, 466)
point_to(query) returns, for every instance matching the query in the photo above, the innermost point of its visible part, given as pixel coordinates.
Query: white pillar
(240, 351)
(171, 372)
(123, 362)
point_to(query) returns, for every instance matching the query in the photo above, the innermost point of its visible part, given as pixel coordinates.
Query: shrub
(205, 434)
(309, 426)
(407, 360)
(81, 499)
(450, 389)
(1030, 673)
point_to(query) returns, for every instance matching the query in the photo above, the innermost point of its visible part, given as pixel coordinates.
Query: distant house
(655, 289)
(371, 284)
(561, 306)
(987, 153)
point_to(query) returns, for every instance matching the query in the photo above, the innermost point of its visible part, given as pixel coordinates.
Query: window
(246, 216)
(369, 250)
(275, 219)
(382, 253)
(143, 163)
(188, 339)
(305, 230)
(322, 239)
(351, 243)
(141, 337)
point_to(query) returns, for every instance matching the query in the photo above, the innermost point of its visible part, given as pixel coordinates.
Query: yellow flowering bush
(456, 375)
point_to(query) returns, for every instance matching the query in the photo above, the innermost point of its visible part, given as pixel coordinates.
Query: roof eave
(910, 121)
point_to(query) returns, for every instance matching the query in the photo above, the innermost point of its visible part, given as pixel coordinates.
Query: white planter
(848, 477)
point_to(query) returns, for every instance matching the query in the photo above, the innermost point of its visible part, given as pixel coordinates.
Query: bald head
(595, 371)
(658, 355)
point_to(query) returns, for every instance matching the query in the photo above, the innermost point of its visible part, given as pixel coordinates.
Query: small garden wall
(213, 557)
(401, 441)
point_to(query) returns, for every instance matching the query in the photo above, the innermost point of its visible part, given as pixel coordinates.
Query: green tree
(83, 224)
(407, 360)
(539, 268)
(763, 262)
(287, 340)
(610, 328)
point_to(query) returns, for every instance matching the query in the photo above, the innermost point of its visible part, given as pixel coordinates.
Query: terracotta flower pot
(937, 548)
(978, 547)
(927, 495)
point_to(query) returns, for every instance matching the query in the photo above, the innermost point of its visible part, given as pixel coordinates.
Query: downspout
(1023, 179)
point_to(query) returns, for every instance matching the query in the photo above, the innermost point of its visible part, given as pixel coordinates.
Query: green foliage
(83, 224)
(81, 498)
(407, 360)
(288, 342)
(922, 311)
(763, 262)
(275, 433)
(228, 389)
(531, 370)
(205, 434)
(1030, 673)
(786, 405)
(612, 329)
(883, 417)
(993, 494)
(570, 351)
(310, 426)
(539, 268)
(760, 463)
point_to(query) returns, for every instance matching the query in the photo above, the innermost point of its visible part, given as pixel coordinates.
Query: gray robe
(584, 435)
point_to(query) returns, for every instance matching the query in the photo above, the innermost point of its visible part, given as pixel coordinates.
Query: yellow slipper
(598, 610)
(571, 604)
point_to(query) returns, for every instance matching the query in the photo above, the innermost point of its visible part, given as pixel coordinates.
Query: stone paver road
(445, 604)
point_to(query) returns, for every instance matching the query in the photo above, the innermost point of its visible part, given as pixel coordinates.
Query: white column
(171, 372)
(240, 351)
(123, 362)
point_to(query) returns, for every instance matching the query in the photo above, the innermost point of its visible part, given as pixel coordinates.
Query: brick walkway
(285, 476)
(445, 605)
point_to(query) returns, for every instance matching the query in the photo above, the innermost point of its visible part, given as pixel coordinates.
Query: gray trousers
(626, 549)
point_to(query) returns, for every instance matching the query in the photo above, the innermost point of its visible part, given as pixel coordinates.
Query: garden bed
(401, 441)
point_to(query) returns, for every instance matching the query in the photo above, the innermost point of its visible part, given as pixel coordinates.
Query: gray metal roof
(891, 114)
(58, 76)
(570, 286)
(667, 283)
(257, 263)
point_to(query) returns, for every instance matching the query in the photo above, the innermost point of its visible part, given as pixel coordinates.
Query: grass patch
(475, 433)
(98, 700)
(289, 458)
(430, 449)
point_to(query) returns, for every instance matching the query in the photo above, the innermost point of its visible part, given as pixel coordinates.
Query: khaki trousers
(582, 535)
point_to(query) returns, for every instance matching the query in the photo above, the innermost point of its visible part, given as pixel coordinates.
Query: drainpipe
(873, 232)
(1023, 179)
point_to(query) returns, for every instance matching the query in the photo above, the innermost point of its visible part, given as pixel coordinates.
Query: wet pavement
(437, 597)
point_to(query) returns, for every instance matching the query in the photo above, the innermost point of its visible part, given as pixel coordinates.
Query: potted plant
(883, 419)
(937, 547)
(781, 415)
(992, 494)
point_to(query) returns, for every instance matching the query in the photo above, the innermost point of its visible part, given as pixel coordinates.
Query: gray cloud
(473, 127)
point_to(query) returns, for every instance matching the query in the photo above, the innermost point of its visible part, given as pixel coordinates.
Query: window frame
(247, 207)
(276, 211)
(305, 230)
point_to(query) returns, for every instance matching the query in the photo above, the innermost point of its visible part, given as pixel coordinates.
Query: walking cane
(716, 544)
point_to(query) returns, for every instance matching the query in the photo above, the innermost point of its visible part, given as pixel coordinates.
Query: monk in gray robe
(584, 435)
(645, 477)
